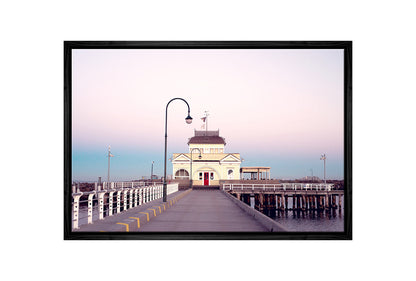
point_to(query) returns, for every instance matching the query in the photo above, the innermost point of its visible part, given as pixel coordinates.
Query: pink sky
(281, 102)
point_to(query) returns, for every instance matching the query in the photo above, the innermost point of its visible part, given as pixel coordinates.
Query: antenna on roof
(205, 120)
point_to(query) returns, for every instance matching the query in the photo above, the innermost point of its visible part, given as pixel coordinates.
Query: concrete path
(203, 211)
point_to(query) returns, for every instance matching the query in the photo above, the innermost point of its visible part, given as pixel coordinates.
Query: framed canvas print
(208, 140)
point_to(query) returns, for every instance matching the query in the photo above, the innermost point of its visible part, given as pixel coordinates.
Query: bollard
(75, 211)
(90, 197)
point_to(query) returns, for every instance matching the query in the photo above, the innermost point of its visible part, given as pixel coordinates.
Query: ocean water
(310, 221)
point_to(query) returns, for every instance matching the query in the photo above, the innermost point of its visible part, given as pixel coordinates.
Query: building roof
(207, 137)
(207, 156)
(254, 169)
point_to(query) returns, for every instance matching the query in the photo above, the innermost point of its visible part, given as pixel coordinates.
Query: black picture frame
(344, 45)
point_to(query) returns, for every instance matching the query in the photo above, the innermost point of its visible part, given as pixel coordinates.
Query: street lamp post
(323, 157)
(151, 172)
(108, 170)
(188, 120)
(190, 181)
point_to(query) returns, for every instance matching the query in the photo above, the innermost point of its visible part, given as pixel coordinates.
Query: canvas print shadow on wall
(208, 140)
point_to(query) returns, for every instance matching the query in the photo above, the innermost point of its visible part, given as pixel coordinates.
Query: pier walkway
(204, 211)
(188, 211)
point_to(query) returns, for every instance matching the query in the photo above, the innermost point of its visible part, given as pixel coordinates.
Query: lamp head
(199, 156)
(188, 119)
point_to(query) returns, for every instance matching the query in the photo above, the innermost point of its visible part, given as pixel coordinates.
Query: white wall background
(31, 65)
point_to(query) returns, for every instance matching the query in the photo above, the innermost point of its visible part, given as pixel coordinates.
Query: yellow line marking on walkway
(127, 226)
(138, 221)
(154, 211)
(147, 214)
(160, 210)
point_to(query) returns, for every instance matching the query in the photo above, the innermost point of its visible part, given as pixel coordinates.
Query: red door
(206, 178)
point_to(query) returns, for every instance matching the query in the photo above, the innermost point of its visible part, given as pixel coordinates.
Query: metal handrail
(281, 186)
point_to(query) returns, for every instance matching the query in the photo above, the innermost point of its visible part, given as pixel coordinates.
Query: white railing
(278, 187)
(120, 197)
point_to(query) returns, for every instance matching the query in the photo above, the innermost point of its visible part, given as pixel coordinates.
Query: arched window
(181, 174)
(230, 174)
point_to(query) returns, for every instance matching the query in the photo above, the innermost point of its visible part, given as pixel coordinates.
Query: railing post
(90, 197)
(131, 198)
(75, 210)
(125, 206)
(101, 204)
(118, 201)
(140, 196)
(135, 197)
(110, 203)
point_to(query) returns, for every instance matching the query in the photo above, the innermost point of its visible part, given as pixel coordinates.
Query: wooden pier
(280, 197)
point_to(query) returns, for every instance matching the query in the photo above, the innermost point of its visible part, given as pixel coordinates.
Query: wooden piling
(303, 203)
(326, 202)
(261, 201)
(286, 202)
(283, 202)
(320, 198)
(273, 201)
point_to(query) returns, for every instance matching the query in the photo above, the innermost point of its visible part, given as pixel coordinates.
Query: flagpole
(206, 121)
